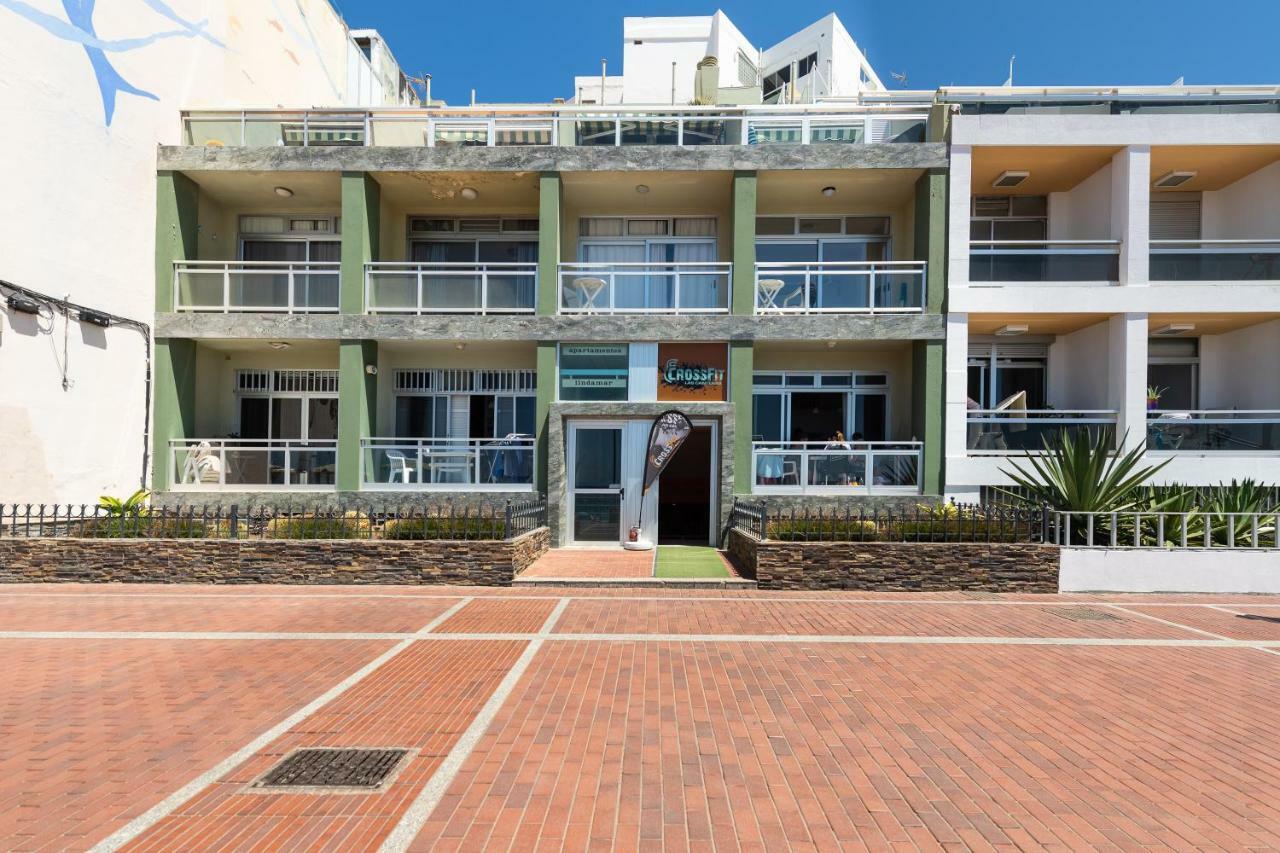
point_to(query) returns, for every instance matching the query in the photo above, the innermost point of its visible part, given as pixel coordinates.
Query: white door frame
(571, 455)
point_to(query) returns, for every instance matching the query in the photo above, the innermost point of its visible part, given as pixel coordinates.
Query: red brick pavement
(500, 617)
(592, 563)
(93, 733)
(1242, 623)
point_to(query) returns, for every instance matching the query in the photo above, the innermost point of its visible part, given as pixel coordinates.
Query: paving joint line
(1141, 615)
(183, 795)
(428, 799)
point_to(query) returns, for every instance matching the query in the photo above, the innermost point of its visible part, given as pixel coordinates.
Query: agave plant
(1079, 473)
(1229, 511)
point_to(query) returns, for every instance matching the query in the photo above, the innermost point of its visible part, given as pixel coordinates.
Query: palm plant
(1079, 473)
(116, 506)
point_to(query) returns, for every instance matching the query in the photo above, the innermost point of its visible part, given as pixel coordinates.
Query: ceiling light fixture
(828, 191)
(279, 344)
(469, 193)
(1010, 330)
(642, 188)
(1174, 329)
(1173, 179)
(1005, 180)
(284, 192)
(459, 346)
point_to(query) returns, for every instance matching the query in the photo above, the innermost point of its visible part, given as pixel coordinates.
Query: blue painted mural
(79, 28)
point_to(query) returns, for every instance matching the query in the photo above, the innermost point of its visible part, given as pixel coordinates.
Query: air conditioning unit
(1009, 179)
(1173, 179)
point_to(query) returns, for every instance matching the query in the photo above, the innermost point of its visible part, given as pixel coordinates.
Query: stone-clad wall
(899, 566)
(317, 561)
(741, 548)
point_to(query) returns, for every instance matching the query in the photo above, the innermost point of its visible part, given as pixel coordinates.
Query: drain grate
(334, 768)
(1085, 614)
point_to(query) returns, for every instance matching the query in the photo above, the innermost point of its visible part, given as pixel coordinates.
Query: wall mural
(79, 28)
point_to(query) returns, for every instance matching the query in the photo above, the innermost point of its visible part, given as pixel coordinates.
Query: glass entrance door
(596, 484)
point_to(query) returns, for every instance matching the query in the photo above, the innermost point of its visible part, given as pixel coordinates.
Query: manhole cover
(362, 769)
(1085, 614)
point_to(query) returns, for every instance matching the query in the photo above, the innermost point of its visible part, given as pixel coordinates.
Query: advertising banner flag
(665, 437)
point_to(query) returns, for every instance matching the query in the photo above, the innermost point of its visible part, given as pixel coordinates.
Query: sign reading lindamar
(692, 371)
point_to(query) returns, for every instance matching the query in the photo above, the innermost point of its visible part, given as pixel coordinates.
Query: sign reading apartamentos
(593, 372)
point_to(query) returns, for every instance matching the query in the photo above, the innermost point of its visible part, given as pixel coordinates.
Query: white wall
(1160, 570)
(1083, 212)
(647, 64)
(1247, 209)
(1238, 369)
(79, 211)
(1078, 368)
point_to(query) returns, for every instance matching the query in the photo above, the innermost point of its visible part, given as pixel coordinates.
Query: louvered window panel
(1009, 351)
(310, 381)
(253, 380)
(479, 226)
(1175, 216)
(414, 380)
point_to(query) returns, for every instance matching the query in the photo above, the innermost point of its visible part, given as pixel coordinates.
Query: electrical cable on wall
(45, 303)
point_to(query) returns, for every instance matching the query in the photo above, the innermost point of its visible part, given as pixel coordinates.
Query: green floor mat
(689, 561)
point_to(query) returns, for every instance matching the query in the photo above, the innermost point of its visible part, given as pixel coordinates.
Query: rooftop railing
(840, 287)
(557, 125)
(1215, 260)
(451, 288)
(253, 464)
(836, 468)
(1044, 260)
(1247, 432)
(267, 286)
(998, 432)
(682, 287)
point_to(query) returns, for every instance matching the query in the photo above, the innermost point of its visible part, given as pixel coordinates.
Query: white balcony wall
(1238, 369)
(1248, 209)
(1079, 364)
(1084, 211)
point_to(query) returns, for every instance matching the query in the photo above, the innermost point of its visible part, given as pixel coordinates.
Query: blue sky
(531, 50)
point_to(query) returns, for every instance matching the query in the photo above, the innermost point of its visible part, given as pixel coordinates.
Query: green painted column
(174, 395)
(542, 411)
(357, 407)
(927, 395)
(931, 235)
(550, 217)
(177, 215)
(741, 373)
(744, 243)
(361, 198)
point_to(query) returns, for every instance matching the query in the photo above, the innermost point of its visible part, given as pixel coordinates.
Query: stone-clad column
(357, 407)
(741, 372)
(550, 215)
(744, 243)
(360, 236)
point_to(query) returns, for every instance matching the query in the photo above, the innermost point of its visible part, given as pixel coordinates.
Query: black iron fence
(949, 522)
(486, 521)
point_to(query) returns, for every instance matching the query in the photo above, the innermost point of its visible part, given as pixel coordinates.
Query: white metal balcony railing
(1011, 431)
(1249, 432)
(1215, 260)
(824, 467)
(224, 463)
(559, 125)
(267, 286)
(684, 287)
(447, 463)
(840, 287)
(451, 288)
(1044, 260)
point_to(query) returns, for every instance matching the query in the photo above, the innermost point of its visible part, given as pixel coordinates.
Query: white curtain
(629, 283)
(699, 291)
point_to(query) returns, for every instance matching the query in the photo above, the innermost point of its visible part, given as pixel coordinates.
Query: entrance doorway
(684, 505)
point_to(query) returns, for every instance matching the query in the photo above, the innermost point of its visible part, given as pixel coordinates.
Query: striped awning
(774, 134)
(461, 136)
(595, 131)
(524, 136)
(704, 132)
(833, 133)
(293, 134)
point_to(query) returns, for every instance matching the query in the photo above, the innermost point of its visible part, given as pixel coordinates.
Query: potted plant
(1154, 392)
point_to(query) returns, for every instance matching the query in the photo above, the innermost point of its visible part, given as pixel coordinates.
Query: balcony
(451, 288)
(1215, 260)
(557, 125)
(827, 468)
(253, 464)
(445, 464)
(683, 287)
(1250, 432)
(1044, 261)
(256, 286)
(840, 287)
(1001, 432)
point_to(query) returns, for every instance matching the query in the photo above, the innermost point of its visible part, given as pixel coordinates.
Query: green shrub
(445, 528)
(350, 525)
(143, 527)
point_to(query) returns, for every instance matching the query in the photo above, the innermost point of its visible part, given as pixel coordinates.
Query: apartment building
(387, 306)
(1114, 264)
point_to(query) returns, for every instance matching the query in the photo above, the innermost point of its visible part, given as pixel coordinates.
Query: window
(1009, 218)
(1175, 216)
(775, 82)
(593, 371)
(452, 403)
(300, 405)
(815, 406)
(747, 73)
(997, 372)
(1174, 367)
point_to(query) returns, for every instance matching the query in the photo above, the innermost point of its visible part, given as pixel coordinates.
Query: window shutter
(1175, 216)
